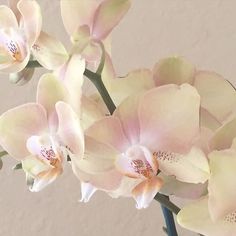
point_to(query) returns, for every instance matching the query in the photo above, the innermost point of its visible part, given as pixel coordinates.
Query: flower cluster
(170, 129)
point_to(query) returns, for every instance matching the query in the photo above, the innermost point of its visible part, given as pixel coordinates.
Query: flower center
(14, 50)
(142, 167)
(49, 155)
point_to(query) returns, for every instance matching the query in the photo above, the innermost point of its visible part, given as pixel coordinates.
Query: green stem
(167, 203)
(33, 64)
(96, 79)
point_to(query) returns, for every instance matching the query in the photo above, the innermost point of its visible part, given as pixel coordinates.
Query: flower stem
(96, 79)
(3, 153)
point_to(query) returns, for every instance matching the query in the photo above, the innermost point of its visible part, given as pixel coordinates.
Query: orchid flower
(89, 23)
(31, 132)
(18, 32)
(147, 133)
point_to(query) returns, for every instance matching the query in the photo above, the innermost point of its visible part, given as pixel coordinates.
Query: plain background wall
(203, 31)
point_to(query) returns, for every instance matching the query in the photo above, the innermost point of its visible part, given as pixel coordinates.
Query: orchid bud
(21, 77)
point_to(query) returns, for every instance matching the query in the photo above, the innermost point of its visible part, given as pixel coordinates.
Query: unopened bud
(21, 77)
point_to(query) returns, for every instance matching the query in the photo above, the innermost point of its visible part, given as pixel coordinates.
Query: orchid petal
(217, 94)
(87, 191)
(173, 70)
(7, 18)
(223, 136)
(107, 16)
(190, 168)
(32, 23)
(76, 13)
(144, 192)
(221, 187)
(196, 217)
(110, 131)
(169, 118)
(18, 124)
(135, 82)
(69, 129)
(50, 90)
(49, 52)
(127, 112)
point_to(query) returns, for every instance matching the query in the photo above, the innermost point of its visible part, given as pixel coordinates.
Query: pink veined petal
(217, 94)
(87, 191)
(50, 91)
(173, 70)
(144, 192)
(107, 16)
(110, 131)
(32, 19)
(190, 168)
(49, 52)
(76, 13)
(223, 136)
(69, 129)
(7, 18)
(127, 112)
(169, 118)
(18, 124)
(195, 217)
(221, 185)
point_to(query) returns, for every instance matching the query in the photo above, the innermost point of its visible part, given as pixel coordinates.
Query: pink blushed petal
(190, 168)
(7, 18)
(76, 13)
(144, 192)
(217, 95)
(169, 118)
(110, 131)
(221, 185)
(18, 124)
(107, 16)
(173, 70)
(195, 217)
(13, 5)
(223, 136)
(127, 112)
(49, 51)
(87, 191)
(69, 129)
(32, 19)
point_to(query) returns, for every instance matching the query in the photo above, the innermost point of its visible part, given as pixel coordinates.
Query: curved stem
(96, 79)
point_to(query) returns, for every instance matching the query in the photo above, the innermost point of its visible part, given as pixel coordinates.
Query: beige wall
(204, 31)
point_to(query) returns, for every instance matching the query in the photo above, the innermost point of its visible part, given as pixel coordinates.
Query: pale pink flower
(19, 29)
(90, 22)
(156, 130)
(34, 133)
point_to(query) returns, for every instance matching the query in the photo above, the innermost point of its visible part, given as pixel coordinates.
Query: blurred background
(203, 31)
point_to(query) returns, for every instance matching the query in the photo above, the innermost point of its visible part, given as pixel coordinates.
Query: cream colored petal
(87, 191)
(18, 124)
(107, 16)
(7, 18)
(223, 136)
(221, 183)
(49, 51)
(196, 217)
(173, 70)
(217, 95)
(192, 167)
(32, 19)
(169, 118)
